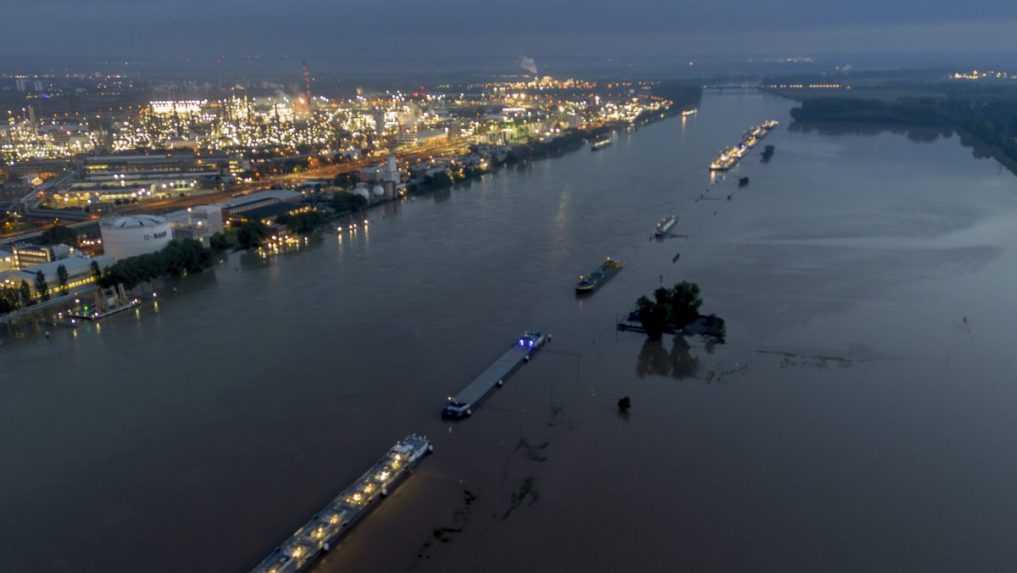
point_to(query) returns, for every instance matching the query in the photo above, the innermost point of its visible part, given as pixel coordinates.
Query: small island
(673, 311)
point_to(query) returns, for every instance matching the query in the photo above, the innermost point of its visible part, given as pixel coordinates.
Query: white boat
(665, 225)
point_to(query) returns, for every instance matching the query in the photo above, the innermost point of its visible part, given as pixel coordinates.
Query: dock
(461, 404)
(325, 528)
(95, 315)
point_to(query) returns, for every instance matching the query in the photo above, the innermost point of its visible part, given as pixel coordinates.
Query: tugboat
(593, 281)
(664, 226)
(600, 142)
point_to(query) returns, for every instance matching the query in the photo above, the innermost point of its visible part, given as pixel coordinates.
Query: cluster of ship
(331, 523)
(589, 283)
(732, 155)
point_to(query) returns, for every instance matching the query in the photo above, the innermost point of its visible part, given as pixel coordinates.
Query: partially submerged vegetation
(179, 258)
(985, 116)
(674, 310)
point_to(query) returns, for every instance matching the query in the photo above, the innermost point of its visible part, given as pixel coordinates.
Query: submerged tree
(685, 303)
(653, 317)
(670, 308)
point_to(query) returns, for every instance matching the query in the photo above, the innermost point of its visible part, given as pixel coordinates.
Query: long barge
(730, 156)
(461, 404)
(325, 528)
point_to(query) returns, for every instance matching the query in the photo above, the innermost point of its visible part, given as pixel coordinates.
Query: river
(859, 417)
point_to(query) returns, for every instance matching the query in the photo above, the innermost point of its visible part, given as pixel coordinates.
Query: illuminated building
(178, 107)
(27, 255)
(235, 207)
(267, 214)
(80, 273)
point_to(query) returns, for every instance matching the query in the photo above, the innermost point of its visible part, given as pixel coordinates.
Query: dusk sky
(414, 31)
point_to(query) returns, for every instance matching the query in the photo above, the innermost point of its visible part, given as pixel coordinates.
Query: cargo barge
(461, 405)
(325, 528)
(596, 279)
(600, 143)
(730, 156)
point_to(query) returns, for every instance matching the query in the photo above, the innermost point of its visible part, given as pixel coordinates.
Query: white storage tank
(131, 236)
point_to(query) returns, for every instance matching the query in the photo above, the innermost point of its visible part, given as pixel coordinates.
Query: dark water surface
(861, 416)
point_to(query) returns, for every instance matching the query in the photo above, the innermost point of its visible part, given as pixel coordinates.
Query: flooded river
(860, 416)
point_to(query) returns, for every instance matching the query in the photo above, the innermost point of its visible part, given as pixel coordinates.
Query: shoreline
(518, 155)
(888, 116)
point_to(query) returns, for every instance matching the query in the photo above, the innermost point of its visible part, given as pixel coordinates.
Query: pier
(325, 528)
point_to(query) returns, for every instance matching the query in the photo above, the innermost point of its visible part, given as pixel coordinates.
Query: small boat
(596, 279)
(690, 112)
(665, 225)
(743, 182)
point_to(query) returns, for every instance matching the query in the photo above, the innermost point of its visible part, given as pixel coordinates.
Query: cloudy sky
(417, 32)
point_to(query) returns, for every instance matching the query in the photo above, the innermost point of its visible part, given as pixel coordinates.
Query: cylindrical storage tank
(125, 237)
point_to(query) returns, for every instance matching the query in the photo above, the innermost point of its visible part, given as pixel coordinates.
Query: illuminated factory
(128, 178)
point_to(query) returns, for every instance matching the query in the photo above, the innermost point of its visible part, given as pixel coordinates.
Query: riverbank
(55, 303)
(464, 169)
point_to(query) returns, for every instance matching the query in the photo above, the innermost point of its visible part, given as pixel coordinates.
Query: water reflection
(442, 195)
(916, 133)
(655, 360)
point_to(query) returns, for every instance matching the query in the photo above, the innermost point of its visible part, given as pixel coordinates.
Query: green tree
(40, 285)
(685, 303)
(251, 234)
(178, 258)
(652, 316)
(25, 292)
(219, 242)
(8, 300)
(62, 277)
